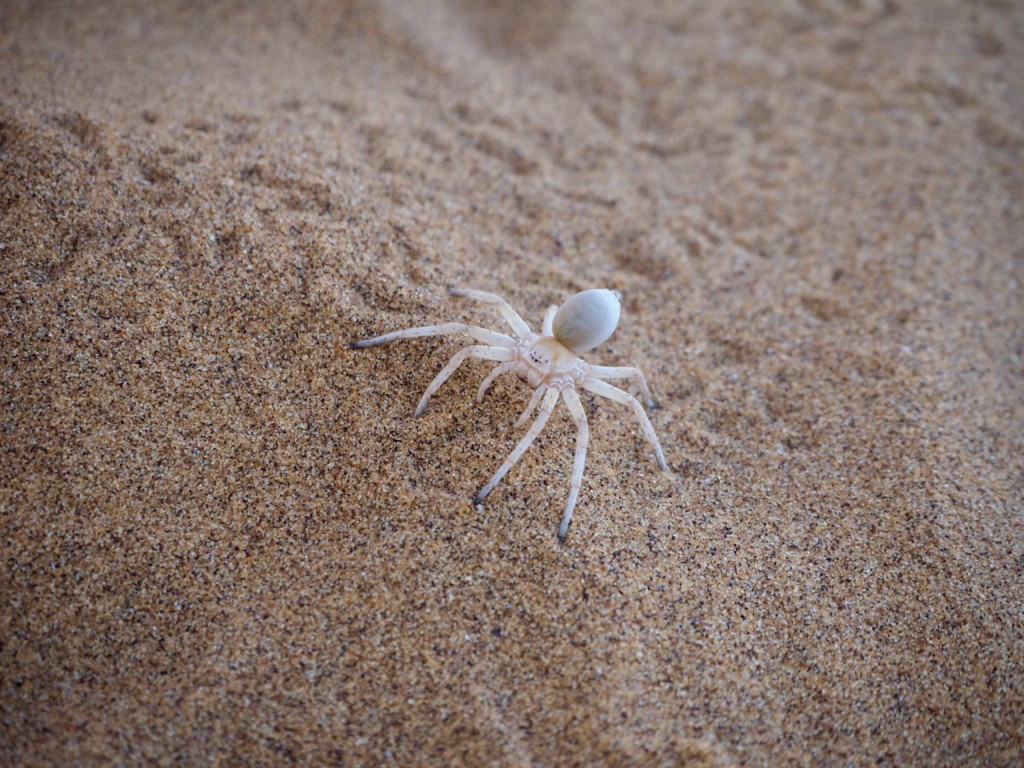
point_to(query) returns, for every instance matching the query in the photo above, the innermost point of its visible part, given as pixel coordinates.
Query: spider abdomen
(587, 319)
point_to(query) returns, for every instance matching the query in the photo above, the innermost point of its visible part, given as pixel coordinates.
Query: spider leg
(625, 372)
(537, 394)
(485, 353)
(605, 389)
(572, 402)
(550, 399)
(491, 338)
(486, 384)
(549, 321)
(511, 316)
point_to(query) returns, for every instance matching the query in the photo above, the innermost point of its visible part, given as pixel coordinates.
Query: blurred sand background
(227, 541)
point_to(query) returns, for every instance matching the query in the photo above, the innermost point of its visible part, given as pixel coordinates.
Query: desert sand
(227, 540)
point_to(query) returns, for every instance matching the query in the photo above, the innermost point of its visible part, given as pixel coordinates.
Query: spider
(550, 364)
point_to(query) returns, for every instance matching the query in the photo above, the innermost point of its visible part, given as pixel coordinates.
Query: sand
(227, 540)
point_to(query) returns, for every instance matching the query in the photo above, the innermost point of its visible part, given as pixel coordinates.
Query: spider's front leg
(572, 402)
(497, 354)
(546, 408)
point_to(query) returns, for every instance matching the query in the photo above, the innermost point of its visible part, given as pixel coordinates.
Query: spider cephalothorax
(550, 364)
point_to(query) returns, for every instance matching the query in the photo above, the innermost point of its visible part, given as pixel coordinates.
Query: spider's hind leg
(634, 375)
(518, 325)
(604, 389)
(491, 338)
(547, 328)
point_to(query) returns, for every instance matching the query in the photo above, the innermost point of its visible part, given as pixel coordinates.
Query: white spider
(549, 364)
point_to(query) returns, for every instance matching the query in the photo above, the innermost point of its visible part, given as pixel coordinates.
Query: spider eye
(587, 319)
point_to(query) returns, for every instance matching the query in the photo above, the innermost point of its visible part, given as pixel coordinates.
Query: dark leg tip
(477, 501)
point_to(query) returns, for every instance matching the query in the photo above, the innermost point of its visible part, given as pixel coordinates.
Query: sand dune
(226, 538)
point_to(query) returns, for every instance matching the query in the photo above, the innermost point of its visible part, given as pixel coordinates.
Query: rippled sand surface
(227, 540)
